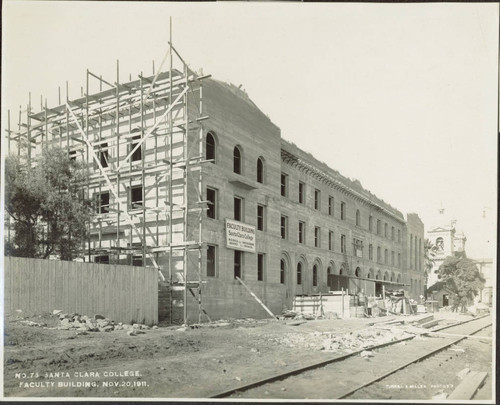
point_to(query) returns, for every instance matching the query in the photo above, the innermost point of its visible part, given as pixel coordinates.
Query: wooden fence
(125, 294)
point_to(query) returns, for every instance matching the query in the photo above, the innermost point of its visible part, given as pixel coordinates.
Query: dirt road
(168, 362)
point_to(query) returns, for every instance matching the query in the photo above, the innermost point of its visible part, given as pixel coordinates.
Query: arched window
(440, 244)
(385, 276)
(315, 275)
(260, 170)
(237, 160)
(299, 273)
(210, 147)
(357, 273)
(358, 218)
(341, 271)
(282, 271)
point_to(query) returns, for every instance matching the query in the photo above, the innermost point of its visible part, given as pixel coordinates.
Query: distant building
(447, 242)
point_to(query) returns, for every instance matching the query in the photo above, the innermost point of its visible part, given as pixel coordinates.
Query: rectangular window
(330, 240)
(238, 208)
(399, 260)
(342, 211)
(378, 226)
(137, 155)
(260, 267)
(317, 237)
(331, 204)
(392, 233)
(370, 252)
(260, 217)
(284, 221)
(392, 258)
(284, 180)
(136, 197)
(386, 256)
(102, 259)
(370, 223)
(358, 247)
(302, 232)
(102, 202)
(399, 235)
(137, 260)
(317, 199)
(342, 244)
(211, 260)
(301, 192)
(386, 230)
(237, 263)
(102, 155)
(212, 203)
(379, 255)
(282, 271)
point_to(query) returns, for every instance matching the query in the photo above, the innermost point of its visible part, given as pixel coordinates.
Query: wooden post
(342, 302)
(256, 298)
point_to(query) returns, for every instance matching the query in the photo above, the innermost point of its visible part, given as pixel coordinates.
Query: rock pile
(347, 343)
(98, 323)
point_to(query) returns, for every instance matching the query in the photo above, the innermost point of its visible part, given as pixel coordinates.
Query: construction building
(189, 176)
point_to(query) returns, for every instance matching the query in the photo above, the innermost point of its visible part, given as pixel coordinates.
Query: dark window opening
(342, 211)
(260, 170)
(301, 193)
(331, 202)
(237, 160)
(211, 256)
(282, 272)
(260, 267)
(283, 184)
(212, 203)
(72, 155)
(317, 196)
(136, 197)
(238, 206)
(237, 263)
(315, 275)
(137, 260)
(299, 273)
(104, 155)
(302, 231)
(342, 244)
(102, 203)
(358, 218)
(357, 272)
(370, 223)
(137, 155)
(330, 240)
(283, 227)
(210, 147)
(316, 236)
(260, 217)
(104, 259)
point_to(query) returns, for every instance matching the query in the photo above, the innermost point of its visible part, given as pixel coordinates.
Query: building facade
(189, 176)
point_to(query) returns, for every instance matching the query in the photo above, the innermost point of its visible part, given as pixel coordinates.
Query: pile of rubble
(295, 315)
(347, 343)
(98, 323)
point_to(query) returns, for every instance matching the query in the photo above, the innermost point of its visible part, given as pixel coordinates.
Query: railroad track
(340, 376)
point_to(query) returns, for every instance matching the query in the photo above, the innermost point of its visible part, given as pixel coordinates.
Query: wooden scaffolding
(141, 143)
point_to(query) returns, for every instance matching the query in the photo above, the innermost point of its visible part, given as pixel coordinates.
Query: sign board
(240, 236)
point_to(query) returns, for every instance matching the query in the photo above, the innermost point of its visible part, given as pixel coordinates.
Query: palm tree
(429, 255)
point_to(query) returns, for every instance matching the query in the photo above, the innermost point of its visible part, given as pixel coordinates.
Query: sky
(402, 97)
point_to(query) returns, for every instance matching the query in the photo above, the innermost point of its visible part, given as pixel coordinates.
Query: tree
(429, 255)
(47, 205)
(461, 276)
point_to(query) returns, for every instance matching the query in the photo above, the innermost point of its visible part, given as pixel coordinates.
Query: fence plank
(123, 293)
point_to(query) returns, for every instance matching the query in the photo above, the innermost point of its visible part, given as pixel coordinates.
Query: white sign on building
(240, 236)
